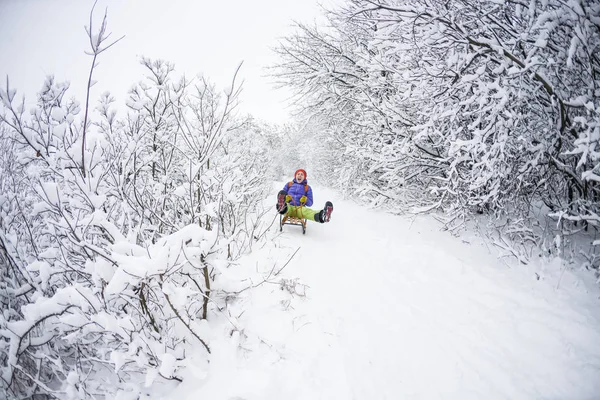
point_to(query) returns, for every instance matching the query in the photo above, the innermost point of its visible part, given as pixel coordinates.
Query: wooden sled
(287, 220)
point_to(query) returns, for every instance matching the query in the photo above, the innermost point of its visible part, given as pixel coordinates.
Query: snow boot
(325, 214)
(281, 206)
(327, 210)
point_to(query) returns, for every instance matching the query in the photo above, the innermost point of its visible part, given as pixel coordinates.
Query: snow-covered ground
(385, 307)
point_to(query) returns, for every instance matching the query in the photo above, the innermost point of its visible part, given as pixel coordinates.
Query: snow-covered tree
(459, 106)
(113, 230)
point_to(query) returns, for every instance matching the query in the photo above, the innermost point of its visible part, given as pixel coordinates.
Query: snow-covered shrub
(112, 231)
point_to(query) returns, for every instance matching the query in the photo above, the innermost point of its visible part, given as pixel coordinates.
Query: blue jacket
(297, 190)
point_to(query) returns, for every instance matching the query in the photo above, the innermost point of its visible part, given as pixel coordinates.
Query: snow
(369, 306)
(60, 130)
(167, 364)
(380, 306)
(43, 269)
(572, 50)
(58, 114)
(180, 191)
(51, 192)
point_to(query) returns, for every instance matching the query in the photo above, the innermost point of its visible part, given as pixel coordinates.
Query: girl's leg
(304, 212)
(281, 206)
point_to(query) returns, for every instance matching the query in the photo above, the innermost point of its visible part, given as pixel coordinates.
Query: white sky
(38, 38)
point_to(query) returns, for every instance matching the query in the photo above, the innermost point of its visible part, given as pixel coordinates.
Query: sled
(287, 220)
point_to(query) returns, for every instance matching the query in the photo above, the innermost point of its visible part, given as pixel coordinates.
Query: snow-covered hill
(375, 306)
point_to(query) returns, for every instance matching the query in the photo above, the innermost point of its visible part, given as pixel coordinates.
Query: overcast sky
(41, 37)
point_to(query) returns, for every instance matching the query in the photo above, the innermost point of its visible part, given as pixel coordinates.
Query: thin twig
(288, 261)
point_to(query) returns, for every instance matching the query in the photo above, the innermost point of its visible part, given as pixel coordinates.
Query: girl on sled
(295, 198)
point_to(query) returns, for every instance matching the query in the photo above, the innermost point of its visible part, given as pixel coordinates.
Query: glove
(288, 198)
(303, 200)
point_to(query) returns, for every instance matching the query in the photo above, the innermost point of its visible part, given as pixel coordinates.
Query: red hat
(300, 170)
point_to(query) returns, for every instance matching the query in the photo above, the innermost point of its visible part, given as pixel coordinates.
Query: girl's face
(299, 176)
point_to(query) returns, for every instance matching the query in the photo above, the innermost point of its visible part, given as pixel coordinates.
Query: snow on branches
(489, 107)
(107, 272)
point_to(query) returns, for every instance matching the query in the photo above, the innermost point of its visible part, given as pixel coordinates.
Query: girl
(297, 196)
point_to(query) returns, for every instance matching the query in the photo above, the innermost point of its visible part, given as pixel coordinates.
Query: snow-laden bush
(112, 231)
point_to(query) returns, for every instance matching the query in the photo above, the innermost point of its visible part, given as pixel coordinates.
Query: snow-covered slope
(375, 306)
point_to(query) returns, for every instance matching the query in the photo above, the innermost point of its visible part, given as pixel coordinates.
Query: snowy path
(400, 310)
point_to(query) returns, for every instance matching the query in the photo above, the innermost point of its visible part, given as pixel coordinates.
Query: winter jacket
(297, 190)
